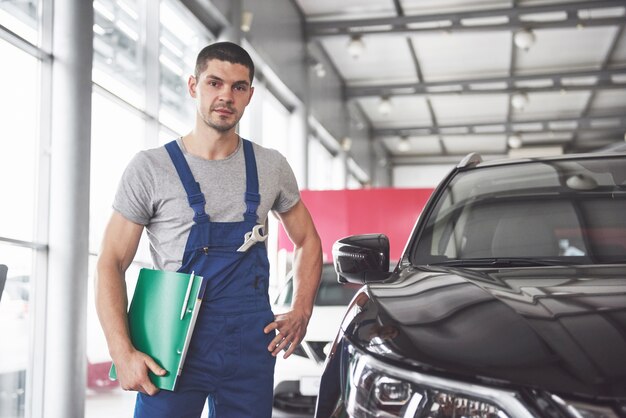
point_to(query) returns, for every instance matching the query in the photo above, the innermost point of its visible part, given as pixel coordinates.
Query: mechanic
(198, 198)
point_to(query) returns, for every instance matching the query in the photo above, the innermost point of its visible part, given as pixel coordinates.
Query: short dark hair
(224, 51)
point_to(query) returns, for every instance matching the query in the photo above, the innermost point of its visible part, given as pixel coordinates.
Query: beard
(221, 124)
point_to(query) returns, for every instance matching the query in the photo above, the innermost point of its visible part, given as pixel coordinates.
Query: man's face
(222, 92)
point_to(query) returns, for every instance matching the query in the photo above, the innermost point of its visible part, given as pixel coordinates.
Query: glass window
(118, 63)
(181, 38)
(21, 17)
(112, 146)
(15, 328)
(275, 124)
(568, 211)
(320, 166)
(18, 148)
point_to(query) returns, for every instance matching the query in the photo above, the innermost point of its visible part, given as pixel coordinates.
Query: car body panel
(556, 328)
(512, 283)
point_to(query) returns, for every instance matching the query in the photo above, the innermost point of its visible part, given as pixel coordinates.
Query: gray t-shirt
(150, 193)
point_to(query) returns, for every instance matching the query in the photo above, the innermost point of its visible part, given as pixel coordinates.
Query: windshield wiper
(503, 262)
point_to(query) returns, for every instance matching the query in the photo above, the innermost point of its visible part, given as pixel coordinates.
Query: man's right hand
(132, 372)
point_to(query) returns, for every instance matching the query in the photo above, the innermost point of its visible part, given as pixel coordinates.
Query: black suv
(509, 299)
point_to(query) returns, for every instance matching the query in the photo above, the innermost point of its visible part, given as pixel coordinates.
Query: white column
(65, 345)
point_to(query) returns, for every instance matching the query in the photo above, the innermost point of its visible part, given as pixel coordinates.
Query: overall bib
(228, 362)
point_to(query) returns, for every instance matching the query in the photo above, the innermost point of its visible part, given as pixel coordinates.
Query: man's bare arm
(119, 246)
(307, 264)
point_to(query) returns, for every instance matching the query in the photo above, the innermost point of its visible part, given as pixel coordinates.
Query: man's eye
(241, 88)
(213, 83)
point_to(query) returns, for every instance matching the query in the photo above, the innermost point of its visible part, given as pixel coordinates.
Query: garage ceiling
(456, 81)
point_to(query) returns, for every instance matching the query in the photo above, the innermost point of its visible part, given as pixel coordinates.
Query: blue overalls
(228, 362)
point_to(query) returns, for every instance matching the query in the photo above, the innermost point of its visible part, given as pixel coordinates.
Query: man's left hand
(290, 330)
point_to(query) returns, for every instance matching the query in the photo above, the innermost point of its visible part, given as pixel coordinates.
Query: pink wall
(339, 213)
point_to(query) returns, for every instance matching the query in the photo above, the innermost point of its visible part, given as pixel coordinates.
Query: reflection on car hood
(559, 328)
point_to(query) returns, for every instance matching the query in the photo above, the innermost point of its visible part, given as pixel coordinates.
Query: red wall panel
(339, 213)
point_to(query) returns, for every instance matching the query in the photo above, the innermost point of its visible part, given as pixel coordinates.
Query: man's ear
(192, 83)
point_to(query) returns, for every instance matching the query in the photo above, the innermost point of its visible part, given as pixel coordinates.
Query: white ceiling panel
(609, 99)
(464, 144)
(353, 9)
(405, 111)
(456, 109)
(619, 56)
(398, 65)
(470, 68)
(444, 56)
(552, 105)
(545, 137)
(569, 48)
(545, 2)
(421, 7)
(423, 145)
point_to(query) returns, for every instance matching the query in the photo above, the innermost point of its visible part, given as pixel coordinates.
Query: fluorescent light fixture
(102, 9)
(356, 46)
(130, 32)
(99, 29)
(129, 10)
(346, 143)
(171, 65)
(384, 107)
(246, 21)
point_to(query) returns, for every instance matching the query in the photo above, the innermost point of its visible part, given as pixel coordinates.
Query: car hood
(557, 328)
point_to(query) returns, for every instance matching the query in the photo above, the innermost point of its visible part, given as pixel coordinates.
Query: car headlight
(377, 389)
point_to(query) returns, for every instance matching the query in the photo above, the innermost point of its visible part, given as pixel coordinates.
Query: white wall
(419, 176)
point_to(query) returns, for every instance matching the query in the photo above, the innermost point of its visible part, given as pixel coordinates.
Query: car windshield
(330, 293)
(543, 212)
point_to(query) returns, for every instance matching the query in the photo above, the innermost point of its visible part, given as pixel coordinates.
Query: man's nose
(226, 94)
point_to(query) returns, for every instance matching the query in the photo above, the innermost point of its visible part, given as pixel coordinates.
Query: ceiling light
(384, 107)
(519, 100)
(403, 144)
(346, 143)
(356, 46)
(246, 21)
(524, 39)
(319, 69)
(515, 141)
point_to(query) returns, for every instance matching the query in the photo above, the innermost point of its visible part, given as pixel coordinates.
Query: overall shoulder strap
(253, 198)
(192, 187)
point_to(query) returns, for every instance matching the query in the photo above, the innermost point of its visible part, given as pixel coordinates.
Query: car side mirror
(362, 258)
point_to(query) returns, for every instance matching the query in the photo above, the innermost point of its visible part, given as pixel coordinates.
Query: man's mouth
(224, 110)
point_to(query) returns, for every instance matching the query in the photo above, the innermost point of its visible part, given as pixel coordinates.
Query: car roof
(474, 160)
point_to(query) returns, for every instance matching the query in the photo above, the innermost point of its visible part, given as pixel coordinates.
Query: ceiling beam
(509, 19)
(560, 81)
(615, 122)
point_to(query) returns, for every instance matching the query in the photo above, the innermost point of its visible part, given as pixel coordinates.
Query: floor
(118, 403)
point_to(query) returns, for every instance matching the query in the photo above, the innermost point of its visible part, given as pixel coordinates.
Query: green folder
(161, 318)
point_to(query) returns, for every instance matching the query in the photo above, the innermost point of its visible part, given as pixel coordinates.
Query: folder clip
(184, 308)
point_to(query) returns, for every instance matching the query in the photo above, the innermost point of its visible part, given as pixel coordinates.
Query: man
(197, 197)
